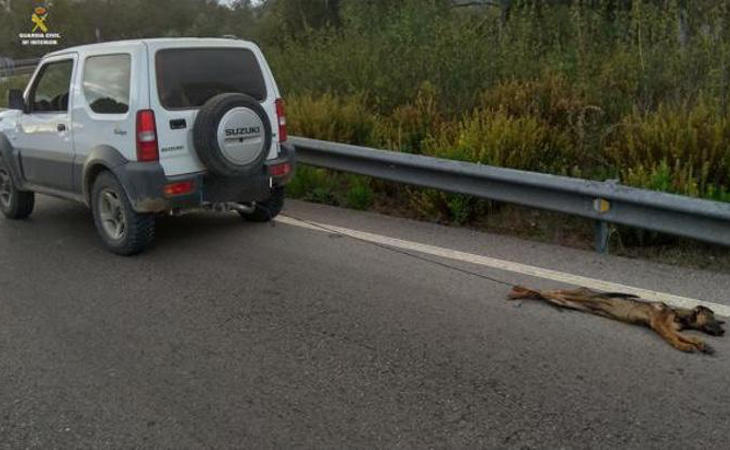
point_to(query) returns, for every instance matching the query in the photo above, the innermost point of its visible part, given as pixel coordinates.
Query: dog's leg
(664, 325)
(660, 322)
(699, 344)
(675, 326)
(673, 339)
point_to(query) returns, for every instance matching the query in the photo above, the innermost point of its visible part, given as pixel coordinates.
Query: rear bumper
(145, 185)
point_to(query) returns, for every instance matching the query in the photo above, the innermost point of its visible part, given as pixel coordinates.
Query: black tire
(138, 229)
(205, 134)
(268, 209)
(14, 204)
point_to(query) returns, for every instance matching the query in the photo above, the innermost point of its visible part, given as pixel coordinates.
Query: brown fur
(666, 321)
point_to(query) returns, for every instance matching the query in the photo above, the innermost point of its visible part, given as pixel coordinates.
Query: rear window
(187, 78)
(106, 83)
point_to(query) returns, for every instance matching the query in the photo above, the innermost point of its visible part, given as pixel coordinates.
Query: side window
(50, 93)
(106, 83)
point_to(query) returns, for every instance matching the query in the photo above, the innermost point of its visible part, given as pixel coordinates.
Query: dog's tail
(519, 292)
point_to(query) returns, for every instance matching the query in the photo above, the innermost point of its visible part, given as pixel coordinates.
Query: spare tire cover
(232, 134)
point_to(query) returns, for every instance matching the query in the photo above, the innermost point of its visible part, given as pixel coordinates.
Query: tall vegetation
(635, 90)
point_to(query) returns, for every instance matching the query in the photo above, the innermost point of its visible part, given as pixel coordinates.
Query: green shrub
(446, 207)
(359, 194)
(550, 97)
(499, 139)
(317, 185)
(331, 188)
(680, 149)
(339, 119)
(409, 125)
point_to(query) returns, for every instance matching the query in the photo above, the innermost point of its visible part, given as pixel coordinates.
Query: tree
(300, 15)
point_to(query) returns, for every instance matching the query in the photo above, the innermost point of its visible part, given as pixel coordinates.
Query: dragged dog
(665, 320)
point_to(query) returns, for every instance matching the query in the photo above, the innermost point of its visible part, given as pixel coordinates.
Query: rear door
(45, 139)
(184, 76)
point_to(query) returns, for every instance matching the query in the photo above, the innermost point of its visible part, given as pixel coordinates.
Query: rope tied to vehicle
(401, 252)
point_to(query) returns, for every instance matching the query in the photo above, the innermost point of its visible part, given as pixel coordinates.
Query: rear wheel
(123, 231)
(14, 204)
(266, 210)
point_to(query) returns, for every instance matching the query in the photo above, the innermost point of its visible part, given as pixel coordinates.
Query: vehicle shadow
(58, 221)
(199, 226)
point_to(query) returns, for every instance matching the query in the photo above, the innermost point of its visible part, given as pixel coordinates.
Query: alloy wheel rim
(6, 188)
(112, 215)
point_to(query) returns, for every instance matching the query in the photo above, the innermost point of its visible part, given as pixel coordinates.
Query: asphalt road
(230, 334)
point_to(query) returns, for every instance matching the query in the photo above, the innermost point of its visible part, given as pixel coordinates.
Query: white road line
(509, 266)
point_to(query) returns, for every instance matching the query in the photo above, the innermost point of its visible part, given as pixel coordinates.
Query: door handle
(61, 127)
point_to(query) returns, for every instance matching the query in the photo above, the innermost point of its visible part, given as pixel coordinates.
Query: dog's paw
(706, 349)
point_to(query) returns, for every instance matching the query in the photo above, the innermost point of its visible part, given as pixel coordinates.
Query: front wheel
(266, 210)
(14, 204)
(123, 230)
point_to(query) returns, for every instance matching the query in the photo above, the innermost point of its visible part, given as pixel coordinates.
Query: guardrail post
(602, 234)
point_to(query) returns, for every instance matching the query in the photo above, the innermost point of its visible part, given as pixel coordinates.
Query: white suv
(138, 128)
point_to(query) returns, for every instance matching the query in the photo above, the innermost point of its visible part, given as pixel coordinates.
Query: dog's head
(703, 319)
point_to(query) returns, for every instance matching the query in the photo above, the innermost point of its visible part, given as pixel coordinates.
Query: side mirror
(16, 100)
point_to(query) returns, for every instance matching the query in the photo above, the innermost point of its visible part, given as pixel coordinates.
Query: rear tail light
(180, 188)
(147, 136)
(281, 117)
(280, 170)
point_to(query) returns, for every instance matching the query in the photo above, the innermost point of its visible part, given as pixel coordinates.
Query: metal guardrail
(604, 202)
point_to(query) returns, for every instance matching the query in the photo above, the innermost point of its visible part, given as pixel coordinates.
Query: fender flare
(143, 182)
(12, 158)
(102, 157)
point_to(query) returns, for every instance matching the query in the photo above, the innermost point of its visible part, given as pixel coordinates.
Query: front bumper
(145, 184)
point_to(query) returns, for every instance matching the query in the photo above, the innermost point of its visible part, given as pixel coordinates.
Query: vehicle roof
(163, 41)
